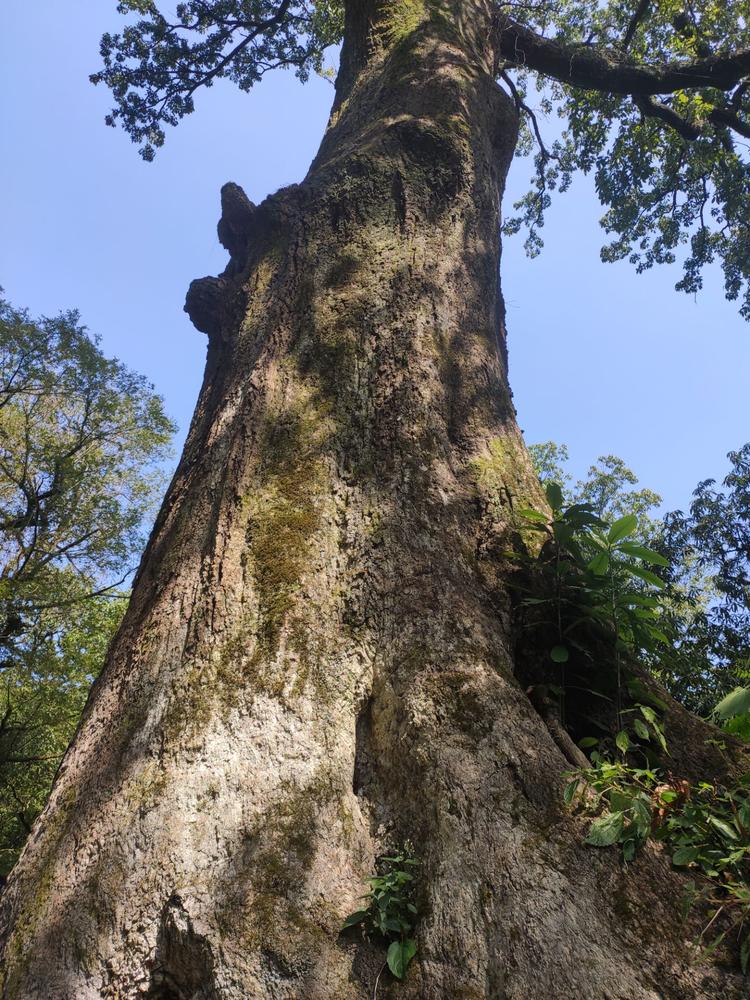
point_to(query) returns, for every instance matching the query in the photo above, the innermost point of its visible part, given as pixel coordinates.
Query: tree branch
(723, 117)
(655, 109)
(606, 69)
(522, 106)
(730, 119)
(638, 15)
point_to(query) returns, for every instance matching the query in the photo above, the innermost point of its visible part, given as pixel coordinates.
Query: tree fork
(318, 658)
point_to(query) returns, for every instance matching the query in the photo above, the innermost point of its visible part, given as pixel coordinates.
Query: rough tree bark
(319, 652)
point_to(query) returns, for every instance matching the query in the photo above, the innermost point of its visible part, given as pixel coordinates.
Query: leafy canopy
(668, 148)
(156, 65)
(82, 440)
(654, 98)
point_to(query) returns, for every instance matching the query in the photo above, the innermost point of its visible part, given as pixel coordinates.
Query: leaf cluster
(592, 577)
(390, 911)
(155, 65)
(672, 171)
(704, 611)
(705, 827)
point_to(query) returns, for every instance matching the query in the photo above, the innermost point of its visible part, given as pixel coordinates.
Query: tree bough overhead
(320, 658)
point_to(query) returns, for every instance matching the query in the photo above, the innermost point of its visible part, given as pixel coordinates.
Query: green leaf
(723, 827)
(737, 702)
(648, 713)
(642, 600)
(354, 918)
(570, 790)
(628, 850)
(533, 515)
(581, 513)
(605, 830)
(644, 574)
(659, 733)
(559, 654)
(641, 552)
(685, 856)
(641, 730)
(622, 527)
(622, 741)
(400, 953)
(599, 564)
(588, 741)
(554, 495)
(563, 532)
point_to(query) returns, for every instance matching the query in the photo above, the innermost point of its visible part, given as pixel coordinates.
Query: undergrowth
(593, 600)
(704, 827)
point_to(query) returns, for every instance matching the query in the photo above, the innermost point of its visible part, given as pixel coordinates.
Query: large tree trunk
(318, 658)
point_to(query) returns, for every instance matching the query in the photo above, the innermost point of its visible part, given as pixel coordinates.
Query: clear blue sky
(602, 359)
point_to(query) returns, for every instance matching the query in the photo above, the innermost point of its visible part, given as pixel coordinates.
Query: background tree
(319, 658)
(709, 548)
(704, 610)
(82, 446)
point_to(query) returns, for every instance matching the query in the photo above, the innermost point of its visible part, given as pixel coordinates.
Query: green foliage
(705, 827)
(708, 547)
(671, 171)
(549, 460)
(390, 911)
(737, 702)
(732, 713)
(44, 691)
(81, 439)
(157, 63)
(607, 488)
(704, 612)
(668, 167)
(590, 586)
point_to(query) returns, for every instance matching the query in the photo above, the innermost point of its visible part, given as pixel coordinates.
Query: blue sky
(602, 359)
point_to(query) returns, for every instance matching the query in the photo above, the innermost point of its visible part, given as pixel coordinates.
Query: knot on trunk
(237, 219)
(203, 304)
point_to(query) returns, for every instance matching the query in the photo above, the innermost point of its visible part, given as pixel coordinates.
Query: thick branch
(730, 119)
(593, 68)
(723, 117)
(655, 109)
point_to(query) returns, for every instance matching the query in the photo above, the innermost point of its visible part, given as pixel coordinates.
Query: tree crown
(81, 443)
(653, 98)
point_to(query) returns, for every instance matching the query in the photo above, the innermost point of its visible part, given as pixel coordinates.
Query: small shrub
(391, 912)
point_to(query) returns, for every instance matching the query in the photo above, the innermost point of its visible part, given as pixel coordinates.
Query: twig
(375, 992)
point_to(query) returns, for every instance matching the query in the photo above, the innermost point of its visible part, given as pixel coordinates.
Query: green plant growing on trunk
(588, 585)
(391, 912)
(704, 827)
(704, 608)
